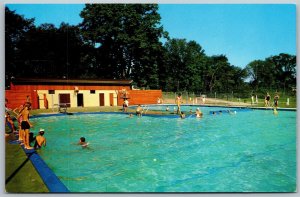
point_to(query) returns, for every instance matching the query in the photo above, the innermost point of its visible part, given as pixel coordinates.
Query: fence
(286, 99)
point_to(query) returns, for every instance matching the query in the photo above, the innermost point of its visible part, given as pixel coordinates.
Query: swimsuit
(25, 125)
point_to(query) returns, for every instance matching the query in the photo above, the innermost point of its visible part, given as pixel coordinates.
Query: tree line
(127, 41)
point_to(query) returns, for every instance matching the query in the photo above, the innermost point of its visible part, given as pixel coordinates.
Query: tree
(216, 75)
(126, 40)
(275, 72)
(45, 51)
(284, 70)
(16, 27)
(184, 65)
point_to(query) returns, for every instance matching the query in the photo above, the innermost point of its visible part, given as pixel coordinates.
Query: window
(51, 91)
(92, 91)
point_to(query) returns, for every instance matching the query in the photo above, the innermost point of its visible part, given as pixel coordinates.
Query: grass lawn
(20, 174)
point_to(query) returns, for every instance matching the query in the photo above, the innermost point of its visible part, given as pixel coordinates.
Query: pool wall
(50, 179)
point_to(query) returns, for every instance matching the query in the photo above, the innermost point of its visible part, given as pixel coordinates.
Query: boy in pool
(82, 142)
(139, 111)
(40, 140)
(182, 115)
(199, 114)
(275, 112)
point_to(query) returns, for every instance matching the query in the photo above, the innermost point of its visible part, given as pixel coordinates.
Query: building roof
(39, 81)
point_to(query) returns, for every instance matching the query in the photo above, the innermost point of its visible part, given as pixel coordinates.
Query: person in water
(139, 111)
(199, 114)
(40, 140)
(82, 142)
(182, 115)
(275, 112)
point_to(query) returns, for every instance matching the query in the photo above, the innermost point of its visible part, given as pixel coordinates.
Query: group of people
(268, 99)
(24, 125)
(198, 113)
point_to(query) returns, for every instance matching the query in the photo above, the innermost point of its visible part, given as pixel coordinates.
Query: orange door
(101, 99)
(111, 99)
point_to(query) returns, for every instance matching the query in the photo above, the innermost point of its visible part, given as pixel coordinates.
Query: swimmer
(82, 142)
(182, 115)
(139, 111)
(130, 116)
(167, 109)
(231, 112)
(199, 114)
(275, 112)
(40, 140)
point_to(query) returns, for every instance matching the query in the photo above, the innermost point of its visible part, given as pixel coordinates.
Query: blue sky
(242, 32)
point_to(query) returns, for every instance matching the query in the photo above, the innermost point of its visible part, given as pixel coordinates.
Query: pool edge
(51, 181)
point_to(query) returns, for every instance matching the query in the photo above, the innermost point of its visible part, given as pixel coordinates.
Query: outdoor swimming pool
(251, 151)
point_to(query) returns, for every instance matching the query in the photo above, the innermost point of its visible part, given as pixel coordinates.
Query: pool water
(251, 151)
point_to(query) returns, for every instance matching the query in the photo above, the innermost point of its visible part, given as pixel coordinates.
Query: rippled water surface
(250, 151)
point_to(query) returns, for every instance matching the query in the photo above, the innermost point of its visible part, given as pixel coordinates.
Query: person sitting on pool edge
(82, 142)
(40, 140)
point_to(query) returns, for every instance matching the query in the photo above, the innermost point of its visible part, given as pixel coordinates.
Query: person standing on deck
(267, 100)
(25, 124)
(276, 98)
(178, 102)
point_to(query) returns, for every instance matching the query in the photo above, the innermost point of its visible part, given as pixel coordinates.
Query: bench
(62, 107)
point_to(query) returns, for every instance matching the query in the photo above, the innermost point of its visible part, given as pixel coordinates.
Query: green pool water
(251, 151)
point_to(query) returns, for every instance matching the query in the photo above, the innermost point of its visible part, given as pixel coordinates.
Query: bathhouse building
(52, 93)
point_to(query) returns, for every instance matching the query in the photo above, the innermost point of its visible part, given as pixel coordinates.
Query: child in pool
(182, 115)
(82, 142)
(40, 140)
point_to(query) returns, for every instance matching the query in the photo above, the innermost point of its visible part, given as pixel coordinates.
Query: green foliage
(16, 27)
(128, 39)
(275, 72)
(183, 66)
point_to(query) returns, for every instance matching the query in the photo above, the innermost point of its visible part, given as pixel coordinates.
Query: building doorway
(64, 99)
(101, 99)
(79, 100)
(111, 99)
